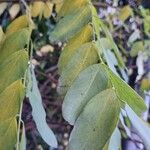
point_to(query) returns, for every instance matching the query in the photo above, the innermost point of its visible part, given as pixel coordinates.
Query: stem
(19, 125)
(25, 75)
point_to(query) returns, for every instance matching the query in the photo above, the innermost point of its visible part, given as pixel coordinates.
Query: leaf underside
(88, 84)
(93, 128)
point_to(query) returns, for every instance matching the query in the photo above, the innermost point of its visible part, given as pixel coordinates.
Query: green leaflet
(11, 96)
(96, 123)
(13, 68)
(100, 26)
(70, 6)
(115, 140)
(74, 43)
(125, 13)
(142, 129)
(1, 33)
(127, 94)
(94, 118)
(23, 142)
(88, 84)
(13, 64)
(8, 134)
(10, 100)
(95, 21)
(114, 46)
(38, 112)
(19, 23)
(70, 24)
(13, 43)
(85, 56)
(136, 47)
(106, 46)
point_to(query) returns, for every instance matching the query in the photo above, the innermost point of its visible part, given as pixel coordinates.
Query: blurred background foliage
(129, 24)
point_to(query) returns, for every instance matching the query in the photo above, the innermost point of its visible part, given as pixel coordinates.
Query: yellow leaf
(58, 6)
(85, 56)
(14, 10)
(37, 9)
(12, 43)
(3, 6)
(10, 100)
(145, 84)
(1, 33)
(71, 24)
(13, 68)
(56, 1)
(73, 44)
(125, 13)
(48, 7)
(17, 24)
(8, 134)
(71, 6)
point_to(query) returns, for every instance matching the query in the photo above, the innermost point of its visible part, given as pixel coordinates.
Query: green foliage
(125, 13)
(8, 134)
(38, 111)
(84, 56)
(7, 46)
(14, 60)
(146, 14)
(142, 129)
(88, 84)
(10, 101)
(96, 123)
(115, 140)
(75, 6)
(19, 23)
(73, 44)
(94, 92)
(13, 70)
(13, 65)
(127, 94)
(136, 47)
(75, 19)
(23, 142)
